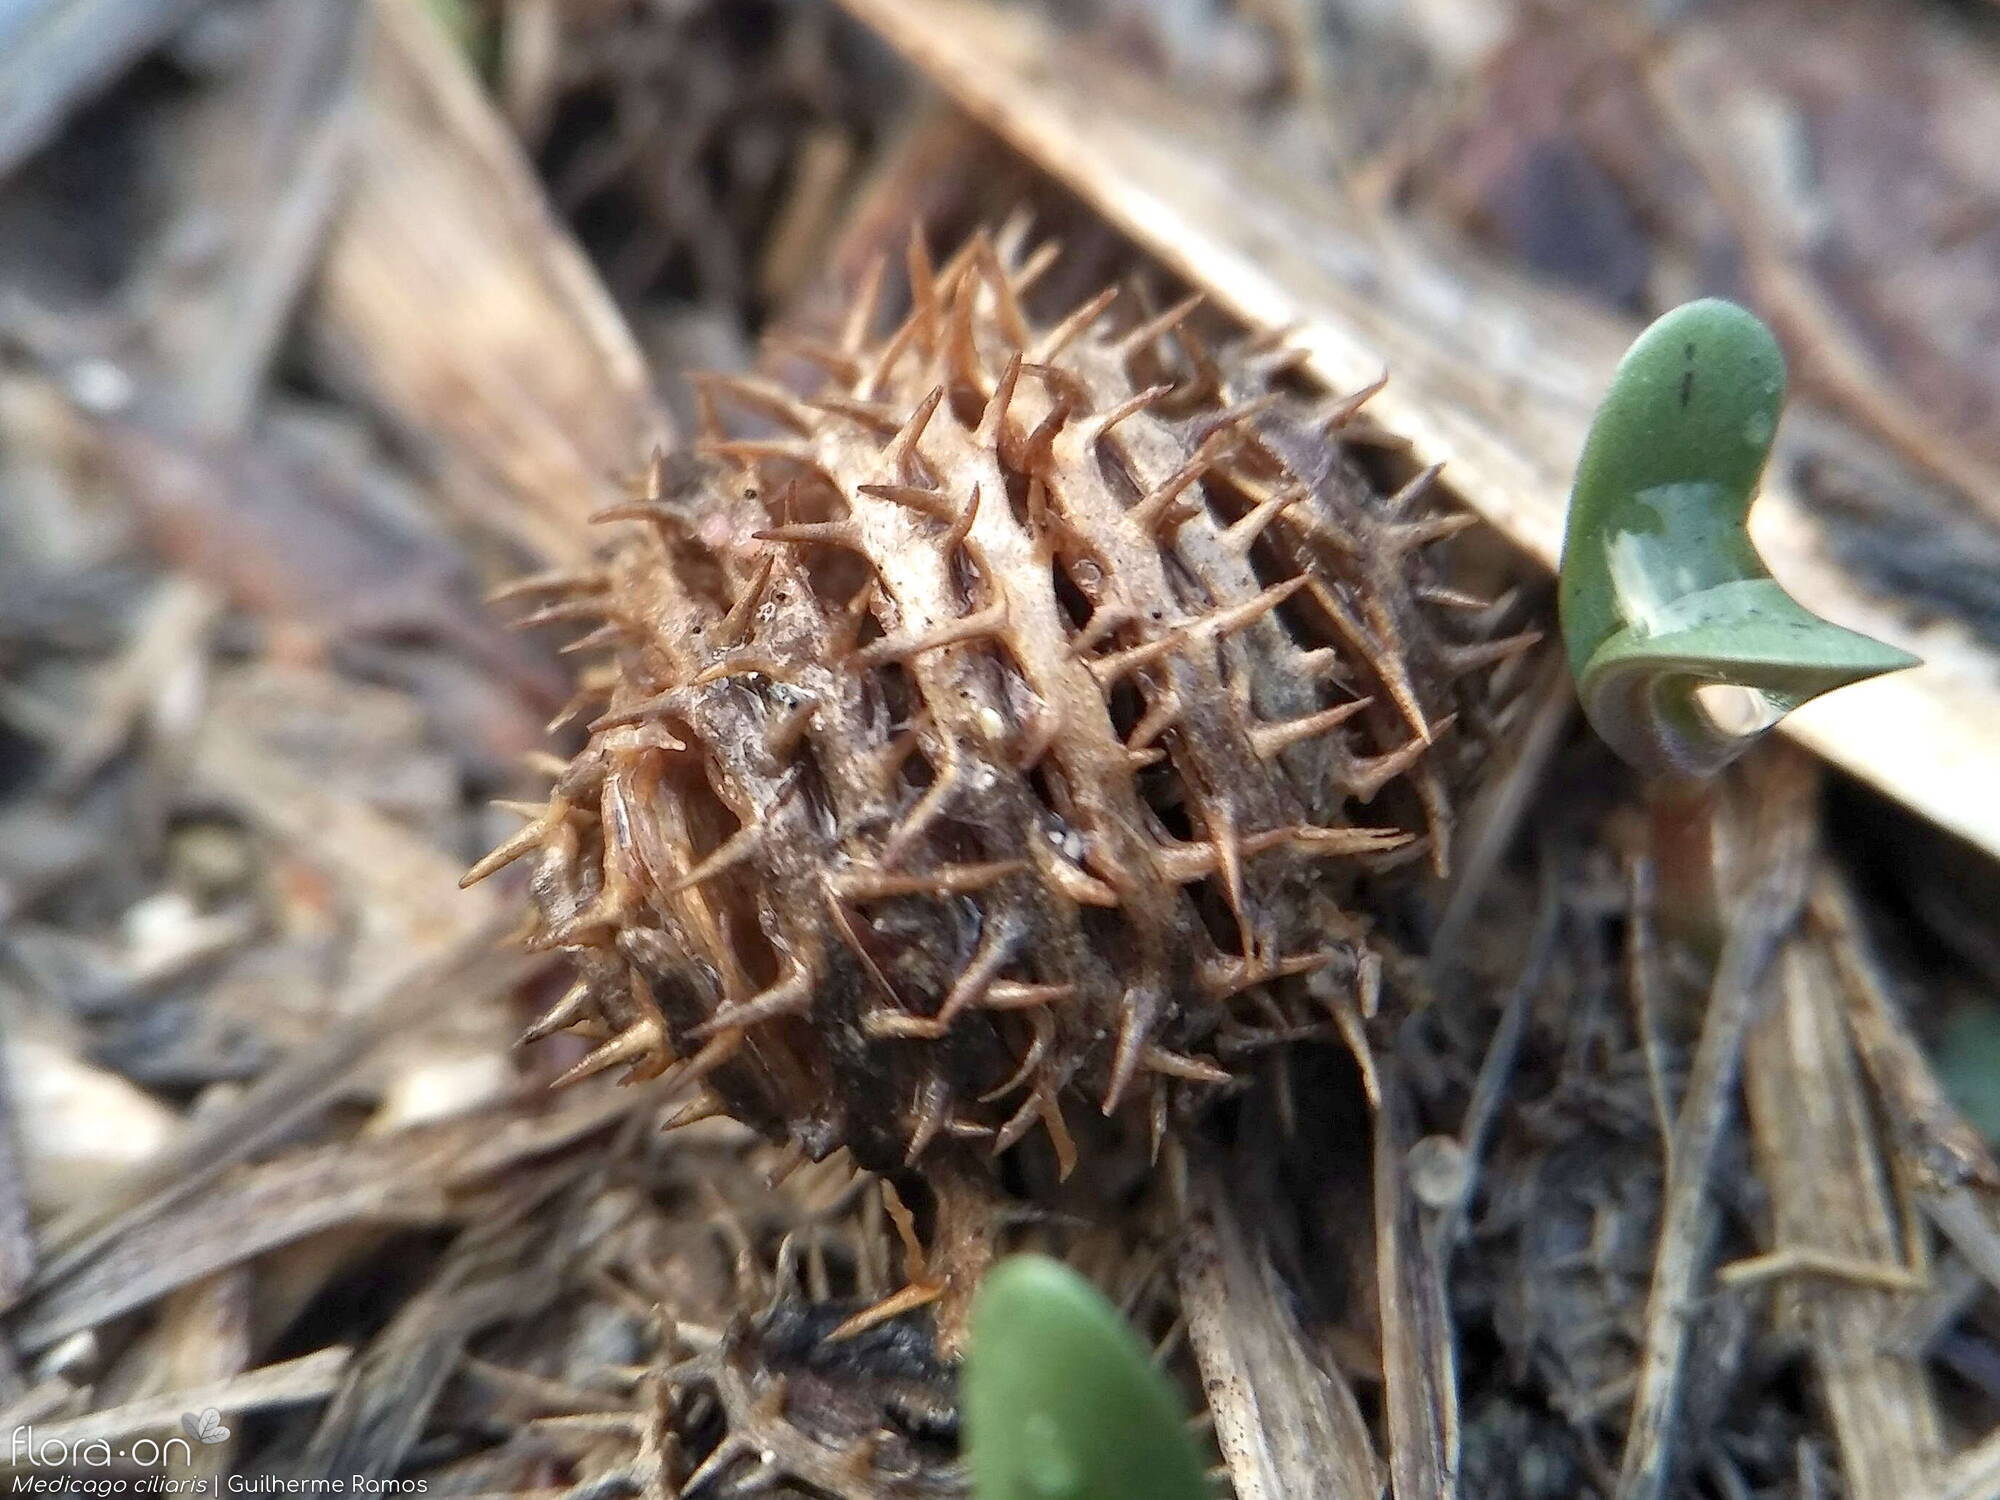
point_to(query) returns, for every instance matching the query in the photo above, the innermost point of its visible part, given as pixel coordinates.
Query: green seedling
(1061, 1401)
(1683, 647)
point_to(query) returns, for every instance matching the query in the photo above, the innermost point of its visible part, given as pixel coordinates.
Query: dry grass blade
(1495, 817)
(55, 54)
(408, 1177)
(17, 1239)
(172, 627)
(267, 1206)
(1496, 1069)
(202, 1336)
(1287, 1425)
(464, 313)
(1773, 893)
(505, 1267)
(267, 159)
(1831, 1196)
(407, 884)
(418, 940)
(1973, 1475)
(287, 1383)
(1493, 376)
(1420, 1387)
(1952, 1165)
(289, 1094)
(1968, 1220)
(1932, 1133)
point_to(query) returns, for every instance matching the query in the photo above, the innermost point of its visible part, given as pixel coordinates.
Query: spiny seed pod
(871, 1415)
(987, 733)
(772, 1366)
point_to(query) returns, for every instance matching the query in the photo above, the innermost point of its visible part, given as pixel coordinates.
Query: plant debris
(1548, 1196)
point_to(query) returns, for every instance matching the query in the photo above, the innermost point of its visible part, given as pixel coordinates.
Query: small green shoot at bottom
(1684, 648)
(1061, 1399)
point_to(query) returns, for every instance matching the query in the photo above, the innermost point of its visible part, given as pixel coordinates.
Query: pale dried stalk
(1419, 1366)
(1832, 1199)
(1419, 1363)
(1773, 892)
(203, 1338)
(1287, 1425)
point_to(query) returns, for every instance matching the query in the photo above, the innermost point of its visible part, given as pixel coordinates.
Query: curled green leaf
(1683, 647)
(1061, 1401)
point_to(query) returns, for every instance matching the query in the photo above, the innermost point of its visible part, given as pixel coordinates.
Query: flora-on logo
(205, 1426)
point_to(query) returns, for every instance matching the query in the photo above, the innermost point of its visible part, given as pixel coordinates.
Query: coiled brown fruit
(988, 737)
